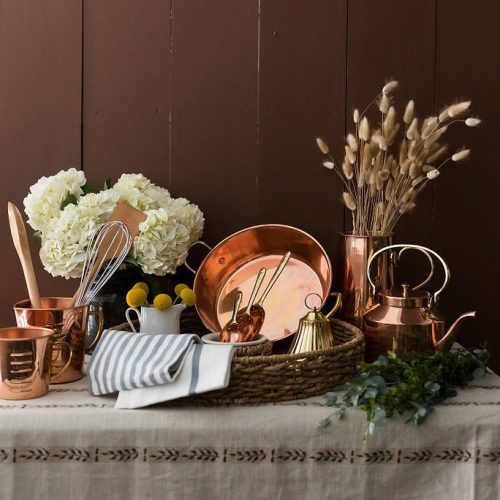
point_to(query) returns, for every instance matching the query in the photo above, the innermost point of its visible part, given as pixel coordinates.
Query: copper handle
(337, 305)
(275, 276)
(236, 306)
(199, 242)
(100, 329)
(256, 287)
(431, 262)
(435, 296)
(61, 370)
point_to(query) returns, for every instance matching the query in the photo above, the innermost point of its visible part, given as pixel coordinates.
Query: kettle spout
(451, 334)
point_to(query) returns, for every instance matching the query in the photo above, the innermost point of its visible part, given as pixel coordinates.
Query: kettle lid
(404, 297)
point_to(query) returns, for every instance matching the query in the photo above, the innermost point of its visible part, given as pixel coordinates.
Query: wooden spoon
(20, 239)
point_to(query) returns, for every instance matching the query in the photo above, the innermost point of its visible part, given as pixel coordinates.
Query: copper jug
(405, 320)
(315, 332)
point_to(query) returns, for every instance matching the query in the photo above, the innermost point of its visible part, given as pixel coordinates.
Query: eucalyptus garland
(393, 386)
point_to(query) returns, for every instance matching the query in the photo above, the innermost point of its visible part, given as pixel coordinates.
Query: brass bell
(314, 332)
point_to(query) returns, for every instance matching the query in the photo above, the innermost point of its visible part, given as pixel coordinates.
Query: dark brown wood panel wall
(214, 110)
(221, 100)
(302, 96)
(466, 205)
(40, 99)
(126, 82)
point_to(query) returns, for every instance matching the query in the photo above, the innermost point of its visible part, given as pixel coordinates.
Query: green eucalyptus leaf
(325, 422)
(479, 372)
(331, 398)
(37, 235)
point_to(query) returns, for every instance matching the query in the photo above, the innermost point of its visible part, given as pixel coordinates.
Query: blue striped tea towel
(126, 360)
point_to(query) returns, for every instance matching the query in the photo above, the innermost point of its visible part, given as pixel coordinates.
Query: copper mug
(70, 331)
(25, 362)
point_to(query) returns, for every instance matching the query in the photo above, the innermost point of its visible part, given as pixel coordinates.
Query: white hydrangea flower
(189, 215)
(162, 243)
(43, 203)
(100, 204)
(138, 191)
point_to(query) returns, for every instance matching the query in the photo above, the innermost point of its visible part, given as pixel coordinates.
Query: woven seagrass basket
(264, 378)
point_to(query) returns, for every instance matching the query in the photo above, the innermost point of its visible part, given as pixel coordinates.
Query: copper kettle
(405, 320)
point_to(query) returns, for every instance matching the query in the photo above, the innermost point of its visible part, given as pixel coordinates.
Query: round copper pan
(234, 263)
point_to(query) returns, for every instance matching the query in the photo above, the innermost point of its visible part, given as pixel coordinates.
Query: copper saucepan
(234, 263)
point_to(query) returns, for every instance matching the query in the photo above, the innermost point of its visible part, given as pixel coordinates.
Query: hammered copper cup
(25, 362)
(70, 330)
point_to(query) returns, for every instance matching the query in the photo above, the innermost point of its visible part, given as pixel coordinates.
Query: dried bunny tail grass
(379, 140)
(329, 164)
(461, 155)
(405, 166)
(412, 150)
(389, 87)
(439, 152)
(472, 122)
(364, 129)
(403, 151)
(433, 174)
(323, 147)
(429, 126)
(355, 115)
(384, 103)
(412, 132)
(366, 160)
(388, 189)
(352, 142)
(458, 108)
(389, 120)
(361, 179)
(407, 207)
(443, 115)
(414, 171)
(347, 169)
(428, 168)
(350, 155)
(417, 180)
(390, 133)
(434, 137)
(409, 112)
(379, 181)
(349, 201)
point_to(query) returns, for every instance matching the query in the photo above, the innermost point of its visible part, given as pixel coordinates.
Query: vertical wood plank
(214, 102)
(466, 196)
(394, 39)
(126, 88)
(40, 99)
(302, 96)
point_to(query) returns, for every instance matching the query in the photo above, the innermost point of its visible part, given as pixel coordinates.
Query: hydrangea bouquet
(64, 210)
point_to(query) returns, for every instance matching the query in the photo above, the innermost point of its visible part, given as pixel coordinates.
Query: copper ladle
(244, 318)
(257, 310)
(232, 327)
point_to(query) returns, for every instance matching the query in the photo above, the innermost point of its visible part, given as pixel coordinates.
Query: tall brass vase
(354, 252)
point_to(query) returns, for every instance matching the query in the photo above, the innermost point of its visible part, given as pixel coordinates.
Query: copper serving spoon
(257, 310)
(232, 327)
(244, 317)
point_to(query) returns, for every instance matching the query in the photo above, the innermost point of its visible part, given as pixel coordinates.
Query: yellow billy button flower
(142, 285)
(162, 302)
(136, 297)
(188, 297)
(178, 288)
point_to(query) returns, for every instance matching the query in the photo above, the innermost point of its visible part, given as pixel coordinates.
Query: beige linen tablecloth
(70, 445)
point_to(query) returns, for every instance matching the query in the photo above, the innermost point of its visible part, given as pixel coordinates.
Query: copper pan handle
(425, 250)
(199, 242)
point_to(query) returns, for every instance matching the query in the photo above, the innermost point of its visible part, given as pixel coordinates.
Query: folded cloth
(126, 360)
(206, 368)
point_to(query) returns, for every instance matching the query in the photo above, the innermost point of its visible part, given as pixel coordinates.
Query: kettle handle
(425, 250)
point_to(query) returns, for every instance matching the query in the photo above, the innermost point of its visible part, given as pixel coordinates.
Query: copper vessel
(406, 321)
(25, 362)
(234, 263)
(357, 296)
(70, 329)
(315, 332)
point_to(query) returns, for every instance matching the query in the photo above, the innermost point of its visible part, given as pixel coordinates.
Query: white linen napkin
(206, 368)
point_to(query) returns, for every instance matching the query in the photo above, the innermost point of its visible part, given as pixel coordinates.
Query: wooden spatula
(130, 216)
(20, 239)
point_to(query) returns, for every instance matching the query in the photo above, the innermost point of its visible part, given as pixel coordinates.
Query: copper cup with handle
(26, 362)
(69, 324)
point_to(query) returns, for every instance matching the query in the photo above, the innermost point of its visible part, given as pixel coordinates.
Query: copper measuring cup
(25, 362)
(232, 327)
(69, 324)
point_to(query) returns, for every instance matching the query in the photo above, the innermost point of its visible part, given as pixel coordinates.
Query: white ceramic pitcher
(152, 320)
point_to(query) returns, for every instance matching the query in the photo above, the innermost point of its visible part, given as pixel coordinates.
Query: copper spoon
(244, 318)
(232, 327)
(257, 310)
